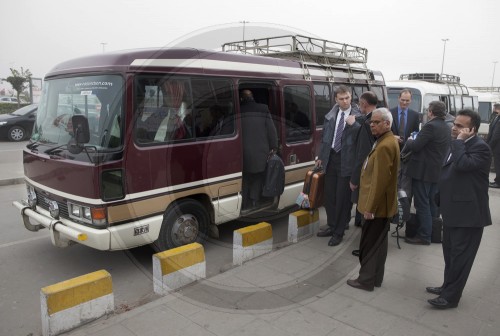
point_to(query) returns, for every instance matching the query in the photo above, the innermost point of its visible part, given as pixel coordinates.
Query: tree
(19, 81)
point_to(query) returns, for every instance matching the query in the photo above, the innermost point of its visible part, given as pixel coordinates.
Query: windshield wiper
(33, 145)
(52, 150)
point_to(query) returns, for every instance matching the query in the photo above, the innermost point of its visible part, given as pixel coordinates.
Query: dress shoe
(355, 283)
(325, 233)
(494, 185)
(358, 224)
(441, 303)
(416, 241)
(334, 241)
(355, 253)
(434, 290)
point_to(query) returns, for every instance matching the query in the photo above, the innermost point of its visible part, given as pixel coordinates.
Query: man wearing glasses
(377, 201)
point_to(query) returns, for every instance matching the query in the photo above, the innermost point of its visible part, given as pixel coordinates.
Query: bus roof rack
(486, 88)
(431, 77)
(301, 48)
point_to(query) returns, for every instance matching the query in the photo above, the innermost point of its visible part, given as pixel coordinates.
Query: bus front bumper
(62, 231)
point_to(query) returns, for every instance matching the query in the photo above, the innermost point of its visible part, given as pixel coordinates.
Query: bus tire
(184, 222)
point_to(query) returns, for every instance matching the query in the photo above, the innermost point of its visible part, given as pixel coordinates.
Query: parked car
(17, 126)
(8, 100)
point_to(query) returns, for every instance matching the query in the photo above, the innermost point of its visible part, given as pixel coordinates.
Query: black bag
(274, 182)
(437, 230)
(411, 226)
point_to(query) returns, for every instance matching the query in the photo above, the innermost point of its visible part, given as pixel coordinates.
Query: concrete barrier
(178, 267)
(251, 242)
(73, 302)
(302, 224)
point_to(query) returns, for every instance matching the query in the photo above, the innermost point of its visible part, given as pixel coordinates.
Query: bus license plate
(141, 230)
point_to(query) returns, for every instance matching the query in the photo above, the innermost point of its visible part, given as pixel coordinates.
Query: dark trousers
(460, 247)
(252, 188)
(337, 196)
(496, 164)
(373, 251)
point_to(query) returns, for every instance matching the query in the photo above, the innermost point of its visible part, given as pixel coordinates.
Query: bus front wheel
(184, 222)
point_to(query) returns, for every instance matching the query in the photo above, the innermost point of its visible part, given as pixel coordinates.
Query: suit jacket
(463, 185)
(412, 122)
(259, 136)
(348, 140)
(494, 135)
(428, 151)
(364, 144)
(379, 178)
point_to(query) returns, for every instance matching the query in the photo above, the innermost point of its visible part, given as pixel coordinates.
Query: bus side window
(322, 100)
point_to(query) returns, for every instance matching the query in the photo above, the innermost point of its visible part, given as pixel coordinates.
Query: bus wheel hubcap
(185, 230)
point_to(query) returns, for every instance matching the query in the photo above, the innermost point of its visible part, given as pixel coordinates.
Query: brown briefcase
(314, 186)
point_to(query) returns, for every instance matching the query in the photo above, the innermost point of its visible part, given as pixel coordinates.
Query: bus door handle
(293, 159)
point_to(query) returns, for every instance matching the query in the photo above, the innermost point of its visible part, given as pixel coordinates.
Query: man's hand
(353, 186)
(350, 120)
(465, 133)
(317, 163)
(400, 139)
(368, 215)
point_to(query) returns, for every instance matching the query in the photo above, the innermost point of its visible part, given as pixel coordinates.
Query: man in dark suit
(494, 141)
(259, 140)
(337, 157)
(364, 143)
(405, 120)
(428, 153)
(377, 201)
(464, 204)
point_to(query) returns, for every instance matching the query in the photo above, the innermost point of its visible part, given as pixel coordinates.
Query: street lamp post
(493, 78)
(103, 46)
(244, 22)
(444, 50)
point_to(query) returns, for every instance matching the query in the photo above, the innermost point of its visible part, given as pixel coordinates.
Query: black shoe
(358, 224)
(355, 253)
(434, 290)
(416, 241)
(494, 185)
(441, 303)
(334, 241)
(346, 227)
(355, 283)
(325, 233)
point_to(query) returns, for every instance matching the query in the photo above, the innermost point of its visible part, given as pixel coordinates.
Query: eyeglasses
(376, 122)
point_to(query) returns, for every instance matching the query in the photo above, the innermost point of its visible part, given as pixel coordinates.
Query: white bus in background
(488, 96)
(427, 87)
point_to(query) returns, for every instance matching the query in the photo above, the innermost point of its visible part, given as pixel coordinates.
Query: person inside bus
(172, 126)
(493, 140)
(260, 139)
(219, 123)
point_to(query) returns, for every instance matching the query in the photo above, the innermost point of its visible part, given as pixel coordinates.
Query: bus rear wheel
(184, 222)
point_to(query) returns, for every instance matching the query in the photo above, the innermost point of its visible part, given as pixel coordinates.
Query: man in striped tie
(337, 151)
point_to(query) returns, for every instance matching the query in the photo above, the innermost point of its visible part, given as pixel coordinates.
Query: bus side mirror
(81, 130)
(81, 134)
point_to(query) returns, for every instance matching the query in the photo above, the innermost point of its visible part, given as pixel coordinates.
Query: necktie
(338, 135)
(402, 125)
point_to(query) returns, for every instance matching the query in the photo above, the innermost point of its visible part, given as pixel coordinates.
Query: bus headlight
(94, 216)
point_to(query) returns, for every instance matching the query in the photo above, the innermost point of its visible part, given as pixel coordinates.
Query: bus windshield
(98, 98)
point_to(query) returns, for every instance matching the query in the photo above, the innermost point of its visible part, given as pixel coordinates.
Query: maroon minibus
(125, 150)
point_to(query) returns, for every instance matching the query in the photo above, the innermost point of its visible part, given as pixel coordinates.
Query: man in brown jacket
(377, 201)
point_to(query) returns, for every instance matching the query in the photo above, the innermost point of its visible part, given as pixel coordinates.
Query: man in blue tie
(405, 119)
(336, 155)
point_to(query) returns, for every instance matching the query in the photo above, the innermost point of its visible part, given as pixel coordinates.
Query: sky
(401, 36)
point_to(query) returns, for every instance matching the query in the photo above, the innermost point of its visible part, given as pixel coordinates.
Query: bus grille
(43, 201)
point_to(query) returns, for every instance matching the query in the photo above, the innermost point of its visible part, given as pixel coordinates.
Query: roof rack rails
(486, 88)
(431, 77)
(299, 47)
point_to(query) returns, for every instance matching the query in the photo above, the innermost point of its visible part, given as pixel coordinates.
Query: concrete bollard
(178, 267)
(251, 242)
(71, 303)
(302, 224)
